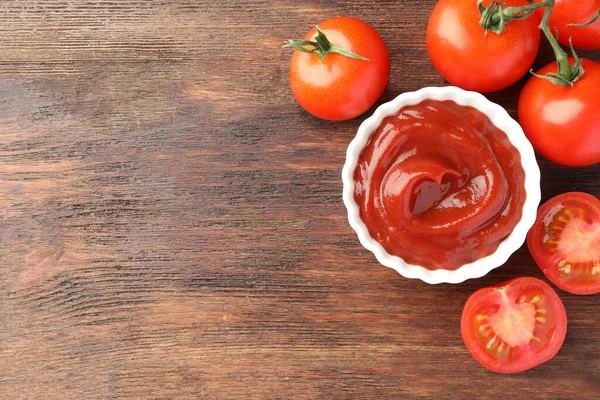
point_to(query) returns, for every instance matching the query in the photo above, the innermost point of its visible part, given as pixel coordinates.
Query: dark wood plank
(171, 223)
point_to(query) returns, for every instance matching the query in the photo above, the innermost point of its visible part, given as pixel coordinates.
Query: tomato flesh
(512, 323)
(565, 242)
(514, 326)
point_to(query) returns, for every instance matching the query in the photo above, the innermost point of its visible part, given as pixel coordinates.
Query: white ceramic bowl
(500, 118)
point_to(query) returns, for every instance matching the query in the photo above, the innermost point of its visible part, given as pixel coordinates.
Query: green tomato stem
(564, 69)
(594, 19)
(567, 74)
(511, 12)
(494, 17)
(322, 47)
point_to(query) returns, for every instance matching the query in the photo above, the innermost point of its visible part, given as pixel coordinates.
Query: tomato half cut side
(514, 326)
(565, 242)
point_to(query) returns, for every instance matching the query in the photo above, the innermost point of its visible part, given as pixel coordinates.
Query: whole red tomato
(567, 12)
(469, 58)
(563, 122)
(337, 86)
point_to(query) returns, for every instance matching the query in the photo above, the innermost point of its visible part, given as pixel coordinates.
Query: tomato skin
(549, 260)
(341, 88)
(575, 12)
(563, 122)
(549, 323)
(466, 57)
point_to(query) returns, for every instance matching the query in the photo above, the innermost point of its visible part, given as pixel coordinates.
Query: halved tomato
(565, 242)
(514, 326)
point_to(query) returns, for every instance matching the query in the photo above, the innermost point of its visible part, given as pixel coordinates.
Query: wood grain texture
(171, 223)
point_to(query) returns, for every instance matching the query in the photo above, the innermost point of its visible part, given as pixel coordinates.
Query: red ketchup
(439, 185)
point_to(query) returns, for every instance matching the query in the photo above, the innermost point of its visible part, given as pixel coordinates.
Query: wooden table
(171, 221)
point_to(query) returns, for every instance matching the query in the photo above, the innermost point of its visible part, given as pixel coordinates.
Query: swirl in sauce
(439, 185)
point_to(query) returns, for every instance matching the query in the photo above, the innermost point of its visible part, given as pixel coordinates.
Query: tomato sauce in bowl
(441, 185)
